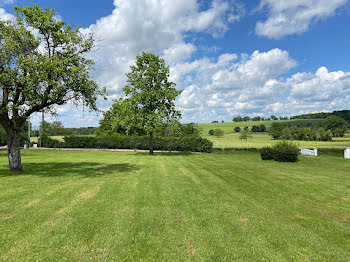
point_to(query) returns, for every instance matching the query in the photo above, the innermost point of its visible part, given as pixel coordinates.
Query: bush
(285, 152)
(237, 129)
(211, 132)
(266, 153)
(185, 143)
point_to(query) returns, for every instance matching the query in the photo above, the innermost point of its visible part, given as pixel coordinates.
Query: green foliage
(218, 132)
(185, 143)
(276, 130)
(285, 151)
(337, 125)
(259, 128)
(211, 132)
(245, 134)
(43, 63)
(237, 129)
(266, 153)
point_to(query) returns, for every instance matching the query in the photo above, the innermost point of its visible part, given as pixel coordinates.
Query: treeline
(56, 128)
(345, 114)
(258, 118)
(333, 126)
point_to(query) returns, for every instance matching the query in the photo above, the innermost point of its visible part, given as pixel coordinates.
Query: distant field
(129, 206)
(228, 127)
(35, 138)
(263, 139)
(231, 139)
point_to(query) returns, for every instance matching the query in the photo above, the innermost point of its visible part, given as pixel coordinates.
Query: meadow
(129, 206)
(231, 139)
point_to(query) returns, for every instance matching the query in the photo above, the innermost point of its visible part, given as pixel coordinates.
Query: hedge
(185, 143)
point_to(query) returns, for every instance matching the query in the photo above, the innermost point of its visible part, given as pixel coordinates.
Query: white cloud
(154, 26)
(4, 15)
(286, 17)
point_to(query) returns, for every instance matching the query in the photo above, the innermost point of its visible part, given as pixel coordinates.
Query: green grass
(228, 127)
(35, 139)
(129, 206)
(260, 140)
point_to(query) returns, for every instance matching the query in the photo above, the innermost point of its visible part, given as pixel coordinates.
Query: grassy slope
(113, 206)
(231, 139)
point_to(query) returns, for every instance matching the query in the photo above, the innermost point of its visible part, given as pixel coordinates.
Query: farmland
(258, 140)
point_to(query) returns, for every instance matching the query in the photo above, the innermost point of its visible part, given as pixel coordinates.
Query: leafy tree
(255, 129)
(274, 117)
(149, 96)
(262, 128)
(337, 125)
(215, 122)
(237, 119)
(256, 118)
(245, 134)
(211, 132)
(237, 129)
(42, 64)
(218, 132)
(246, 118)
(276, 130)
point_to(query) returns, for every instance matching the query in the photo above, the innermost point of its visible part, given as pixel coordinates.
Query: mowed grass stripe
(122, 206)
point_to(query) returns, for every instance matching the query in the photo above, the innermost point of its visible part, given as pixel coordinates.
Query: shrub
(237, 129)
(211, 132)
(186, 143)
(266, 153)
(285, 152)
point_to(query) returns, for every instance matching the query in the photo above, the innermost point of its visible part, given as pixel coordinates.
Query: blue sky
(230, 57)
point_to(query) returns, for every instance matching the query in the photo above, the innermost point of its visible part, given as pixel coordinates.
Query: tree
(237, 129)
(211, 132)
(276, 130)
(262, 128)
(150, 96)
(218, 132)
(42, 64)
(246, 118)
(237, 119)
(274, 117)
(337, 125)
(245, 134)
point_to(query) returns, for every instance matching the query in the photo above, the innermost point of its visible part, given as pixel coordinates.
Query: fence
(309, 152)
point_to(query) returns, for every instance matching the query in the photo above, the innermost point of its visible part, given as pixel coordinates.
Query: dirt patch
(32, 203)
(190, 247)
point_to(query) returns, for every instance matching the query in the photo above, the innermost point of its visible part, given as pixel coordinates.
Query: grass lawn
(129, 206)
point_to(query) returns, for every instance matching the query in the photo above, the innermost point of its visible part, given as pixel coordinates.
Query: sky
(230, 57)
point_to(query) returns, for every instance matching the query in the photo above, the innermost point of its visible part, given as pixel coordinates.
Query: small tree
(150, 96)
(218, 132)
(245, 134)
(42, 64)
(237, 129)
(211, 132)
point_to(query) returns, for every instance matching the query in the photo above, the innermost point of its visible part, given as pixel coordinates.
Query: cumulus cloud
(287, 17)
(4, 15)
(154, 26)
(229, 85)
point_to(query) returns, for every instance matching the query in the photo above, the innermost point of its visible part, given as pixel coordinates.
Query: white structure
(347, 153)
(35, 145)
(308, 152)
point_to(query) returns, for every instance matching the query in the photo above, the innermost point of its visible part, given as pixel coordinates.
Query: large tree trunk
(14, 151)
(151, 143)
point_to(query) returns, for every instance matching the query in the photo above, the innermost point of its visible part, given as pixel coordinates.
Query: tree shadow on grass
(83, 169)
(165, 154)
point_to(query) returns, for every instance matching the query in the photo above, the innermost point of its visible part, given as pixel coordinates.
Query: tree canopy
(42, 64)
